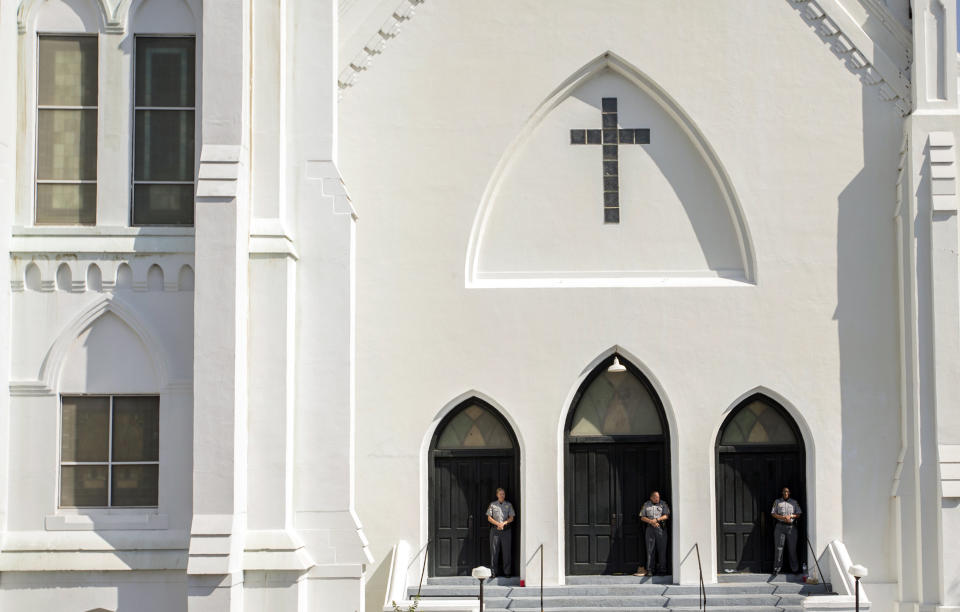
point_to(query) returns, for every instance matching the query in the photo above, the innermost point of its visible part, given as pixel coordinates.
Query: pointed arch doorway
(617, 451)
(759, 451)
(473, 451)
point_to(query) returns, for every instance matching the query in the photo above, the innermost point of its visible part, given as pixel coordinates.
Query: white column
(275, 558)
(928, 511)
(8, 148)
(220, 326)
(325, 225)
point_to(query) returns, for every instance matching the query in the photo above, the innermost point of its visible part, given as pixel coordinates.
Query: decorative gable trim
(862, 54)
(950, 470)
(389, 29)
(943, 171)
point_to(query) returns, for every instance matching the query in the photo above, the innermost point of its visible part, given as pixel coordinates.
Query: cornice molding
(862, 55)
(390, 29)
(884, 69)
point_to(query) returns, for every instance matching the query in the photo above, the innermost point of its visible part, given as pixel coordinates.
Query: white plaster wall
(812, 155)
(113, 591)
(107, 356)
(673, 218)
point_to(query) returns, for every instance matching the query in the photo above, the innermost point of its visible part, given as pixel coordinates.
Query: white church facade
(295, 285)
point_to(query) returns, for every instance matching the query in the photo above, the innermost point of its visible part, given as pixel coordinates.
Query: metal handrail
(540, 550)
(816, 560)
(703, 589)
(425, 550)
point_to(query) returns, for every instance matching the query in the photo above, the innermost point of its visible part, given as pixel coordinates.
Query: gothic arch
(29, 11)
(431, 432)
(468, 471)
(609, 61)
(52, 364)
(671, 434)
(127, 12)
(773, 455)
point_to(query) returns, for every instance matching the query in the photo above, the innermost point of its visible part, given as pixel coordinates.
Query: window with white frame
(164, 125)
(66, 170)
(109, 451)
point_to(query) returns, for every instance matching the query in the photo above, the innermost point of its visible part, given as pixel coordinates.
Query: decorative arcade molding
(390, 29)
(862, 54)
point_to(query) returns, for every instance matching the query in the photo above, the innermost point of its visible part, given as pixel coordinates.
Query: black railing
(540, 550)
(423, 570)
(703, 589)
(816, 560)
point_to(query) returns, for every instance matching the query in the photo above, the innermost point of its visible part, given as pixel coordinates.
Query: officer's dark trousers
(500, 549)
(785, 536)
(656, 540)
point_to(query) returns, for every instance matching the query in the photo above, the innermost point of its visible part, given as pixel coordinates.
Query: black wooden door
(748, 482)
(607, 485)
(461, 488)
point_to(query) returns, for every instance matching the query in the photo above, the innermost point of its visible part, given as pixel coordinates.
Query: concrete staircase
(734, 593)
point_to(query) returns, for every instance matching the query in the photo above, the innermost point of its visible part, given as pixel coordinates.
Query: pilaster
(8, 148)
(221, 306)
(325, 226)
(928, 512)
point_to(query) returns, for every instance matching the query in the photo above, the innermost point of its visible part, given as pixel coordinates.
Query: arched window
(474, 427)
(472, 453)
(759, 451)
(616, 403)
(758, 422)
(617, 453)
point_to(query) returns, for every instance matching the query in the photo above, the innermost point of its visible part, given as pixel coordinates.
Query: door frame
(800, 449)
(664, 439)
(433, 452)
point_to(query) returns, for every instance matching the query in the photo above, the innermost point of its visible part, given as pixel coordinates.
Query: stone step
(579, 602)
(462, 580)
(579, 580)
(737, 600)
(747, 577)
(735, 609)
(460, 590)
(532, 591)
(630, 609)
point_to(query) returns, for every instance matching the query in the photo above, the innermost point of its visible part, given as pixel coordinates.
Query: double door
(461, 488)
(748, 482)
(607, 484)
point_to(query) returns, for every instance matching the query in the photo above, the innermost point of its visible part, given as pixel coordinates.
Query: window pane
(68, 71)
(616, 403)
(134, 485)
(59, 204)
(164, 146)
(758, 423)
(136, 428)
(66, 144)
(165, 72)
(84, 430)
(474, 427)
(163, 205)
(83, 485)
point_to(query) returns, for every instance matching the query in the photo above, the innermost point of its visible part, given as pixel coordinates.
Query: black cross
(611, 138)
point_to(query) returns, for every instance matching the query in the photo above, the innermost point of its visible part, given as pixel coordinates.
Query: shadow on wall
(376, 583)
(677, 161)
(867, 324)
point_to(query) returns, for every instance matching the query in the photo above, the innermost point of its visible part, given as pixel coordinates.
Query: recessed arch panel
(681, 223)
(473, 451)
(616, 452)
(759, 450)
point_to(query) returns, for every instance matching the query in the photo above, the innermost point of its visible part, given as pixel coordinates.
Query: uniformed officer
(500, 514)
(654, 513)
(786, 511)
